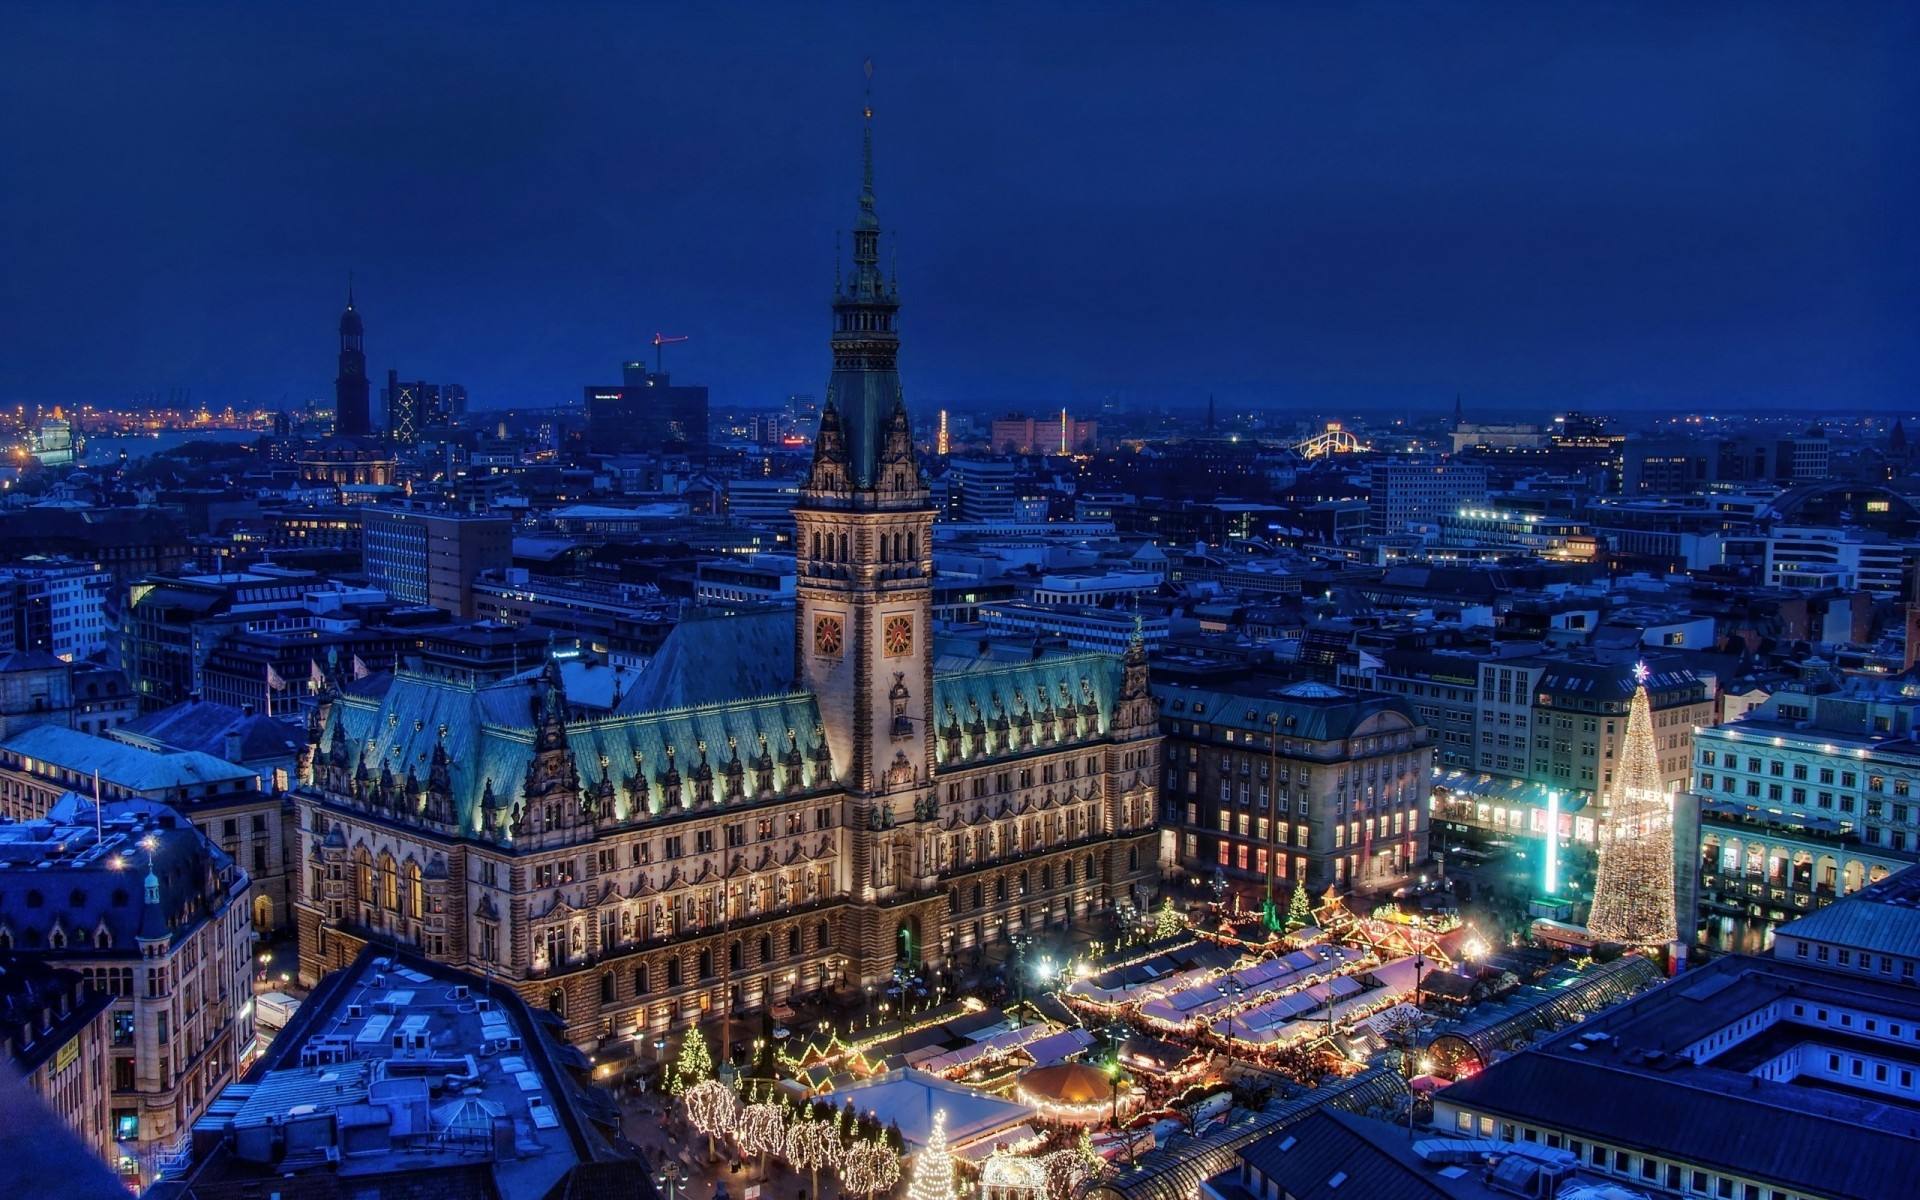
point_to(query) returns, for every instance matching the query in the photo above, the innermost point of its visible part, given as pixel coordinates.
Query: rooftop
(396, 1066)
(1656, 1074)
(1883, 917)
(127, 767)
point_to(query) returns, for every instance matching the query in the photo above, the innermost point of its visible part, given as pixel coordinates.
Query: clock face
(828, 635)
(897, 636)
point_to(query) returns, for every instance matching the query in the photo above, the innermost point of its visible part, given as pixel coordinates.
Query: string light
(712, 1108)
(869, 1167)
(1633, 896)
(811, 1145)
(762, 1129)
(933, 1165)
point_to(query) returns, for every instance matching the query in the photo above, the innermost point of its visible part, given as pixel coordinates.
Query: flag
(359, 668)
(1369, 662)
(274, 681)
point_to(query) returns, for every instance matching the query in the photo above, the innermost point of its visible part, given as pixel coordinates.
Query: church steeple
(352, 394)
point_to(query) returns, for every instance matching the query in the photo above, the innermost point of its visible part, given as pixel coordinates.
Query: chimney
(233, 746)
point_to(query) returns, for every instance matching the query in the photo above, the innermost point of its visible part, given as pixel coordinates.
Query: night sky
(1315, 205)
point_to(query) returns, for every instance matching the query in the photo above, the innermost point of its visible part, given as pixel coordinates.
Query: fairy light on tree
(694, 1065)
(1064, 1171)
(762, 1130)
(933, 1165)
(1168, 921)
(1300, 908)
(869, 1167)
(811, 1145)
(712, 1108)
(1633, 896)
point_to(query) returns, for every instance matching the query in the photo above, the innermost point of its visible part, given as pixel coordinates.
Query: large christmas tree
(1633, 897)
(933, 1165)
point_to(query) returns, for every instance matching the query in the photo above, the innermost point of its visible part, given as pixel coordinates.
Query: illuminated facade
(783, 803)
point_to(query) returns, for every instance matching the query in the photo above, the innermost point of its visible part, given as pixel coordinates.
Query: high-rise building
(432, 558)
(649, 415)
(1406, 491)
(352, 392)
(413, 408)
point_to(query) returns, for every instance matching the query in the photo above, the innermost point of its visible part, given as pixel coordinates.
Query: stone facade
(747, 825)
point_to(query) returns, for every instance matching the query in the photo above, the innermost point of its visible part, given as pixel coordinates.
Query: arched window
(608, 989)
(557, 1002)
(820, 936)
(389, 884)
(793, 941)
(416, 892)
(766, 948)
(362, 875)
(640, 980)
(736, 957)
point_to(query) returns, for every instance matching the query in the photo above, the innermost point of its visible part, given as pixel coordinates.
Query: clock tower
(864, 594)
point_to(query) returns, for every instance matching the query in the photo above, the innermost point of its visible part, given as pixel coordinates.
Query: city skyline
(1654, 210)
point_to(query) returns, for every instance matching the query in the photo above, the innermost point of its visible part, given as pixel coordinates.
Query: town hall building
(786, 801)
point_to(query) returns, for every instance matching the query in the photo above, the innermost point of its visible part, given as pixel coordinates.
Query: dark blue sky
(1319, 205)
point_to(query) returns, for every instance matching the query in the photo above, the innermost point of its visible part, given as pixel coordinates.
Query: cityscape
(1441, 722)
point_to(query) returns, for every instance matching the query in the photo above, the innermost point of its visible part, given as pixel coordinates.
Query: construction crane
(659, 340)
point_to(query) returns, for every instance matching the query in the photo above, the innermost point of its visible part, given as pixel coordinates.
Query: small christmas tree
(694, 1065)
(1299, 909)
(1168, 921)
(933, 1166)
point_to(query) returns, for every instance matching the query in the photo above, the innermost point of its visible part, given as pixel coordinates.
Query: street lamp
(669, 1179)
(1231, 987)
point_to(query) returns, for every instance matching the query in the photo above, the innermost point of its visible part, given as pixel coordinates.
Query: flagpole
(99, 822)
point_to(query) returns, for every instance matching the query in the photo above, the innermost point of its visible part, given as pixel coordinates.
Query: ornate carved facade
(832, 817)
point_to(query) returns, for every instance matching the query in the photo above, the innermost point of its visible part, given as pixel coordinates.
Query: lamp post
(1231, 987)
(670, 1180)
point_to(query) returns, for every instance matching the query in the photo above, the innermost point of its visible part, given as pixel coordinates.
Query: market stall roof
(1068, 1083)
(909, 1098)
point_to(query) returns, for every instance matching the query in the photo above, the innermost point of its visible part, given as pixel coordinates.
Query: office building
(54, 1031)
(649, 414)
(1404, 492)
(57, 605)
(431, 558)
(1807, 798)
(1273, 784)
(413, 408)
(1017, 434)
(993, 489)
(151, 913)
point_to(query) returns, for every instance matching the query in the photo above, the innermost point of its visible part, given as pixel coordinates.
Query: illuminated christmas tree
(1169, 921)
(694, 1064)
(1633, 897)
(1300, 908)
(933, 1166)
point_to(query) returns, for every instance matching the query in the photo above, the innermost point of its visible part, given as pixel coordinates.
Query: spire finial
(349, 288)
(866, 146)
